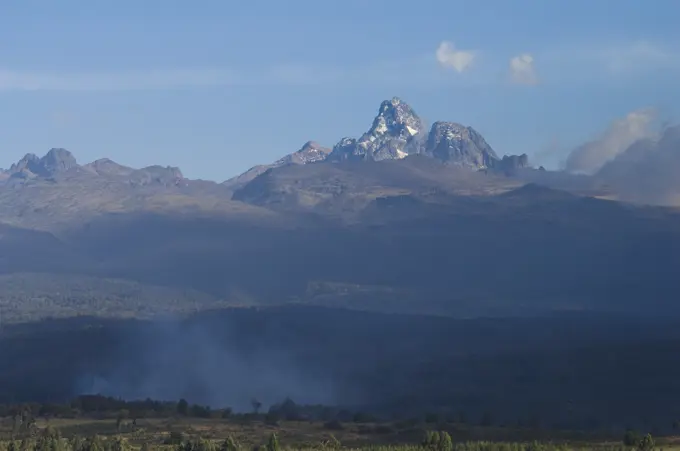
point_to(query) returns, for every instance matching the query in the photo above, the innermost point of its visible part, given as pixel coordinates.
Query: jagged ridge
(59, 162)
(397, 132)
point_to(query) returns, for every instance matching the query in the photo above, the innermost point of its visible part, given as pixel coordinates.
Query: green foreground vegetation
(51, 439)
(95, 423)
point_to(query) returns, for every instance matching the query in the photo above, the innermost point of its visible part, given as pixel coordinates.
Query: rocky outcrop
(161, 175)
(463, 146)
(54, 162)
(60, 161)
(510, 164)
(311, 152)
(396, 133)
(460, 145)
(107, 167)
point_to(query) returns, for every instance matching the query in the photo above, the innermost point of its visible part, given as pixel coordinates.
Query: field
(252, 433)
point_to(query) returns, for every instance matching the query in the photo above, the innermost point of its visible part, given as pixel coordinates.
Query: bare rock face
(54, 162)
(311, 152)
(463, 146)
(107, 167)
(460, 145)
(509, 164)
(157, 175)
(395, 134)
(58, 160)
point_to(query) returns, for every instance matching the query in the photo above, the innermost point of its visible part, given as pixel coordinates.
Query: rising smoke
(589, 157)
(176, 359)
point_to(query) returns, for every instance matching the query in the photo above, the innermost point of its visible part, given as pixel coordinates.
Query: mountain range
(396, 133)
(403, 218)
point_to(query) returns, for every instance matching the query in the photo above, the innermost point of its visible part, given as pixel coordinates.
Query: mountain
(108, 168)
(463, 146)
(54, 192)
(451, 228)
(455, 143)
(347, 186)
(395, 134)
(61, 163)
(54, 162)
(311, 152)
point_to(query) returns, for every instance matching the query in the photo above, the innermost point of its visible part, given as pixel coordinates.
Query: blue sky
(216, 86)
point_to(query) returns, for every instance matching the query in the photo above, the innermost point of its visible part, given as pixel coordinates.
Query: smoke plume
(588, 158)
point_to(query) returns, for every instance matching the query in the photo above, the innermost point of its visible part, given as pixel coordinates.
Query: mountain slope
(412, 161)
(311, 152)
(449, 229)
(55, 192)
(329, 185)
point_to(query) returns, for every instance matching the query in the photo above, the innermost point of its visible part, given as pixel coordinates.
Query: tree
(646, 443)
(438, 441)
(273, 443)
(229, 444)
(445, 442)
(431, 440)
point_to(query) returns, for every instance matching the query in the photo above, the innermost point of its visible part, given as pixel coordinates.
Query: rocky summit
(311, 152)
(394, 135)
(58, 163)
(463, 146)
(454, 143)
(54, 162)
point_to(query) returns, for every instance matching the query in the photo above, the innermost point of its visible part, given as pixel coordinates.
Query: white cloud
(522, 70)
(588, 158)
(458, 60)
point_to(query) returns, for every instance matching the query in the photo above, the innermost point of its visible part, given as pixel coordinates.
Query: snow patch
(412, 131)
(381, 128)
